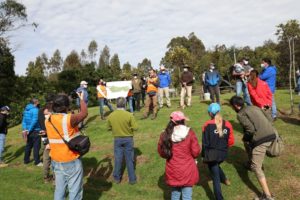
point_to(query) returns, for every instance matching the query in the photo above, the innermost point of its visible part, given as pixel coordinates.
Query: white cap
(162, 67)
(83, 83)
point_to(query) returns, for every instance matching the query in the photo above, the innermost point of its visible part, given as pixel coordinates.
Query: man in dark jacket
(31, 131)
(212, 80)
(4, 111)
(136, 90)
(186, 81)
(258, 136)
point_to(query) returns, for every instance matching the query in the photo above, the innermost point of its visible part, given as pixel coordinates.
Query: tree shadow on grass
(9, 157)
(237, 158)
(98, 174)
(204, 178)
(90, 119)
(164, 187)
(290, 120)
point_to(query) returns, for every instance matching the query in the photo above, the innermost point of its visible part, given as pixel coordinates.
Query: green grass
(283, 173)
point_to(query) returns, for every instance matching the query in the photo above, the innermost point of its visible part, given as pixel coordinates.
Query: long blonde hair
(219, 124)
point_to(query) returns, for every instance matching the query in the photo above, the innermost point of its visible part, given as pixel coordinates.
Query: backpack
(277, 146)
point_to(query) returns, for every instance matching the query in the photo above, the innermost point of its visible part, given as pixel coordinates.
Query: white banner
(117, 89)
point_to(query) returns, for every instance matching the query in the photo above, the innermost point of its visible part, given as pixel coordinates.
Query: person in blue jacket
(212, 80)
(268, 75)
(83, 88)
(163, 88)
(31, 130)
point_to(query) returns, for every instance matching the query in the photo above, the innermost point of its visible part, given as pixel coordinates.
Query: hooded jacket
(260, 95)
(269, 75)
(164, 79)
(181, 169)
(30, 120)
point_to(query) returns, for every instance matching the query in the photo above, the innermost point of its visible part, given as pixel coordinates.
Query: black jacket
(3, 123)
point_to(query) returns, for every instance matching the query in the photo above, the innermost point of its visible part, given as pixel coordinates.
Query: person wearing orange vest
(151, 98)
(102, 95)
(66, 164)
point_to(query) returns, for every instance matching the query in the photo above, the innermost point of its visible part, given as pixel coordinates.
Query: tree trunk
(290, 77)
(294, 64)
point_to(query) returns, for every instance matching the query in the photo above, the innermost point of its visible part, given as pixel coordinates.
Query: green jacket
(257, 126)
(136, 85)
(121, 123)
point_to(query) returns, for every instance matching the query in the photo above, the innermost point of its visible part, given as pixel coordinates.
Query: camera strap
(58, 132)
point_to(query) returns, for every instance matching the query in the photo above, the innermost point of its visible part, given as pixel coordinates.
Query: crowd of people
(53, 124)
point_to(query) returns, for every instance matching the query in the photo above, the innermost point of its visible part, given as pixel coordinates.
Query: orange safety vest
(129, 93)
(59, 151)
(150, 86)
(103, 89)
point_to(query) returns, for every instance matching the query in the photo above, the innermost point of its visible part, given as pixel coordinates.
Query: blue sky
(136, 29)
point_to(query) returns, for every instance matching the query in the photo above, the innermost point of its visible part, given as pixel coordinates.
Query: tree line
(53, 73)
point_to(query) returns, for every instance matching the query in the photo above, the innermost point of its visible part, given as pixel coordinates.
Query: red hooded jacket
(261, 95)
(181, 169)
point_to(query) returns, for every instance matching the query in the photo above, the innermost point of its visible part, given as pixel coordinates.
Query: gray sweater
(257, 126)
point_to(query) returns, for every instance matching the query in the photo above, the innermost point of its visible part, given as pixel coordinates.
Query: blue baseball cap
(214, 108)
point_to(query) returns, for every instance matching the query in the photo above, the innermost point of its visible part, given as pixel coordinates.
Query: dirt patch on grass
(286, 188)
(142, 159)
(95, 148)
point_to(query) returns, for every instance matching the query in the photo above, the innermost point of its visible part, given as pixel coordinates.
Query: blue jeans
(274, 109)
(242, 87)
(124, 146)
(68, 174)
(187, 193)
(103, 102)
(33, 141)
(130, 100)
(217, 176)
(2, 144)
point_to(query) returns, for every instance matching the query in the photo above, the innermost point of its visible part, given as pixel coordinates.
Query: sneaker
(144, 117)
(117, 181)
(3, 164)
(39, 165)
(132, 182)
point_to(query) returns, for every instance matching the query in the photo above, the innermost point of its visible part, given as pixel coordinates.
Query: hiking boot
(39, 165)
(3, 164)
(144, 117)
(153, 116)
(102, 118)
(227, 182)
(264, 197)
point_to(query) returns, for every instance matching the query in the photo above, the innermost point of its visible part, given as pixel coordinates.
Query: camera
(74, 94)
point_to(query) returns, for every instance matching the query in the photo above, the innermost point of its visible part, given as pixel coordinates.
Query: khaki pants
(149, 100)
(161, 92)
(186, 91)
(257, 158)
(46, 162)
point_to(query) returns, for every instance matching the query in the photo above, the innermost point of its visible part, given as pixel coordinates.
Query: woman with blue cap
(217, 136)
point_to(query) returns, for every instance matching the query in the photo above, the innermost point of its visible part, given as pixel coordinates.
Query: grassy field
(283, 173)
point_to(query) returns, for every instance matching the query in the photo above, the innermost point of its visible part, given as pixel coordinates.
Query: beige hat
(83, 83)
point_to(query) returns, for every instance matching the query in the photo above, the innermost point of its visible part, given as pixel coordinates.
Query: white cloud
(137, 29)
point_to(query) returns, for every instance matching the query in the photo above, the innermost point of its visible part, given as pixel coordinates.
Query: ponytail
(219, 124)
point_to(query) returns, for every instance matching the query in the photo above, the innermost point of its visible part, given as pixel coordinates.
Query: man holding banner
(151, 97)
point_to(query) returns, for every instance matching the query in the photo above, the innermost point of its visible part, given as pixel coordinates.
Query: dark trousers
(124, 147)
(217, 176)
(33, 140)
(137, 99)
(143, 96)
(214, 91)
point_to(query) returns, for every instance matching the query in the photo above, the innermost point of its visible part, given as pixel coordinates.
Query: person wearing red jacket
(260, 93)
(217, 136)
(178, 144)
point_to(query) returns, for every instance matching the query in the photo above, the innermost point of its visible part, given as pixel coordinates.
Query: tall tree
(83, 57)
(104, 58)
(115, 67)
(126, 71)
(7, 74)
(55, 62)
(143, 67)
(72, 61)
(288, 33)
(92, 50)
